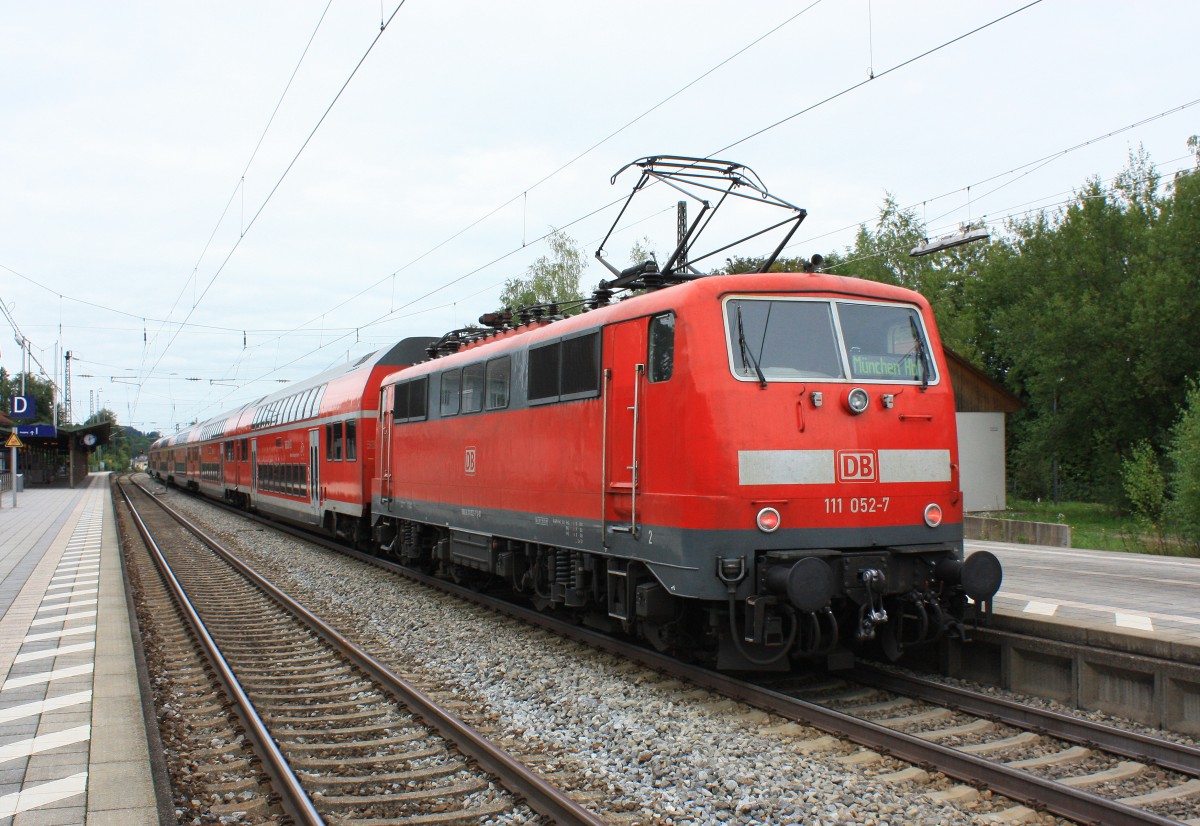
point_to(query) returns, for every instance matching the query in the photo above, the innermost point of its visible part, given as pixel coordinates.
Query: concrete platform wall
(1012, 530)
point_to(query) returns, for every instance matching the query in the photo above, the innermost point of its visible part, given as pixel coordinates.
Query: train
(758, 471)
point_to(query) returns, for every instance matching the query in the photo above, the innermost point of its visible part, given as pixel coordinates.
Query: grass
(1099, 527)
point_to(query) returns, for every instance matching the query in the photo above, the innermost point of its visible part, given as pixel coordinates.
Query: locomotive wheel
(661, 635)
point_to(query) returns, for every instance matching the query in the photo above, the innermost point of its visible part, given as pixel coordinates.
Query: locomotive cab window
(885, 342)
(782, 340)
(661, 354)
(787, 339)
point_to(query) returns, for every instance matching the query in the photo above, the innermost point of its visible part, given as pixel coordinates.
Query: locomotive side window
(543, 372)
(885, 342)
(411, 400)
(565, 370)
(450, 393)
(581, 366)
(661, 355)
(352, 441)
(472, 388)
(499, 374)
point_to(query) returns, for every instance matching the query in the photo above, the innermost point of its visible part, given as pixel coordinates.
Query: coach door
(624, 377)
(254, 467)
(314, 471)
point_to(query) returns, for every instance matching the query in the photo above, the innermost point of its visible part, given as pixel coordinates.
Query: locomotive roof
(700, 290)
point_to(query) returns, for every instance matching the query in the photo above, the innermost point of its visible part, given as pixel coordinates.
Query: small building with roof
(981, 406)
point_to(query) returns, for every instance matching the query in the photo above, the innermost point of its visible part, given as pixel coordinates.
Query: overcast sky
(135, 194)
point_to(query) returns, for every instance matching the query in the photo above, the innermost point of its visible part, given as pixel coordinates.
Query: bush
(1145, 485)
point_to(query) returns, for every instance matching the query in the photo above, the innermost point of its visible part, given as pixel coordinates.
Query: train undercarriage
(806, 609)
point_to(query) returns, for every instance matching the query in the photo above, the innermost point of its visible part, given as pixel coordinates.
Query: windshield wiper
(746, 352)
(922, 357)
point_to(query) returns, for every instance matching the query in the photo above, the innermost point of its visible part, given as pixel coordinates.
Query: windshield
(799, 339)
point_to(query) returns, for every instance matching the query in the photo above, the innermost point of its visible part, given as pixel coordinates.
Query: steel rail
(294, 800)
(1056, 798)
(1164, 753)
(543, 797)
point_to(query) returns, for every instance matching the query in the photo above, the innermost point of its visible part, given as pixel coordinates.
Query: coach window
(450, 393)
(499, 373)
(352, 441)
(333, 442)
(661, 357)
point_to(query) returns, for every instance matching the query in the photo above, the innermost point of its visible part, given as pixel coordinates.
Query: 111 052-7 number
(857, 504)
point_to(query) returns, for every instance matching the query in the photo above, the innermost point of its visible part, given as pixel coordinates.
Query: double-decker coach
(305, 453)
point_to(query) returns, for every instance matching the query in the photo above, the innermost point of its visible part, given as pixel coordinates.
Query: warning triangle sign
(13, 441)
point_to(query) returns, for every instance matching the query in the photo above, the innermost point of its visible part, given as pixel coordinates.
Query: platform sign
(13, 441)
(37, 431)
(24, 407)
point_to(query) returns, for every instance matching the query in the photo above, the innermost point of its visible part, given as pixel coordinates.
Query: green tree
(1184, 458)
(552, 278)
(738, 264)
(118, 453)
(1090, 316)
(883, 253)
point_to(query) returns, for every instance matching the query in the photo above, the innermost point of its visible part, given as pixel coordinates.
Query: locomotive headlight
(857, 400)
(933, 514)
(768, 520)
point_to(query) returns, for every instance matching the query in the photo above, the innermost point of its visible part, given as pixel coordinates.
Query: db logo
(469, 462)
(857, 466)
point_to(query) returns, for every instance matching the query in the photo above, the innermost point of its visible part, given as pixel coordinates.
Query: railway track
(1050, 762)
(912, 729)
(340, 737)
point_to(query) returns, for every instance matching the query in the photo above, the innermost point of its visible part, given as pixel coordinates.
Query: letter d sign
(23, 407)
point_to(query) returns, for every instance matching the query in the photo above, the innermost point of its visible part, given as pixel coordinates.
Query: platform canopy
(53, 455)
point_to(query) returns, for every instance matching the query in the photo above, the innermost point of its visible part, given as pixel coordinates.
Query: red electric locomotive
(762, 465)
(754, 469)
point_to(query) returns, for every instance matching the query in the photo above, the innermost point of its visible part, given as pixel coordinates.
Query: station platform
(73, 747)
(1156, 598)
